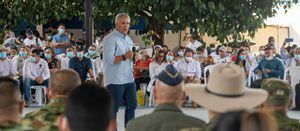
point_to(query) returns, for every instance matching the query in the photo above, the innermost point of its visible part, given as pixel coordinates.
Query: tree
(223, 19)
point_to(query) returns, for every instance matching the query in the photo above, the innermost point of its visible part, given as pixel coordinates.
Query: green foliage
(224, 19)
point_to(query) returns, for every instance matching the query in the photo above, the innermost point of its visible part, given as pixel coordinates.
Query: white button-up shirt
(194, 45)
(18, 64)
(64, 62)
(33, 70)
(155, 69)
(190, 69)
(6, 67)
(220, 60)
(34, 41)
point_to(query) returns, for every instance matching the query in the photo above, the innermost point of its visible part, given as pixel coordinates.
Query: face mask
(262, 52)
(270, 58)
(32, 59)
(169, 58)
(49, 37)
(23, 54)
(91, 52)
(70, 54)
(48, 56)
(243, 57)
(188, 59)
(297, 57)
(3, 55)
(140, 56)
(80, 54)
(61, 31)
(180, 53)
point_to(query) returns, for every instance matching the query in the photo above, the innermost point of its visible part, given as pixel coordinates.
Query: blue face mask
(80, 54)
(3, 55)
(48, 56)
(243, 57)
(70, 54)
(61, 31)
(23, 54)
(169, 58)
(91, 52)
(32, 59)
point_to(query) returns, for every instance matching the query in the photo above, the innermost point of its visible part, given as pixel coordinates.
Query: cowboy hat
(226, 90)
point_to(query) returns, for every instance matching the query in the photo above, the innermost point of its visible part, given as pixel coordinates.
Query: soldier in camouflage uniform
(61, 83)
(279, 100)
(11, 106)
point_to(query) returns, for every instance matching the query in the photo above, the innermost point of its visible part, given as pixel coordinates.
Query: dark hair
(9, 81)
(89, 108)
(217, 49)
(188, 50)
(245, 121)
(157, 55)
(36, 51)
(238, 58)
(61, 24)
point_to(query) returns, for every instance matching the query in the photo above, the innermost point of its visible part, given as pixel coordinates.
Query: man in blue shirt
(82, 65)
(118, 66)
(270, 66)
(60, 40)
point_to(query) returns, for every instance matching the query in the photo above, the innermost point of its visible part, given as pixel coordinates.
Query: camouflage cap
(279, 91)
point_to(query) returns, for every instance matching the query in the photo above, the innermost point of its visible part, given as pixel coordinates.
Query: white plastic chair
(286, 73)
(210, 69)
(40, 94)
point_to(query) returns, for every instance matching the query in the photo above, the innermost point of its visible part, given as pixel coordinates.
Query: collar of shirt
(118, 33)
(167, 107)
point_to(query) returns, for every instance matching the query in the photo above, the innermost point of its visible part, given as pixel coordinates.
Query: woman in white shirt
(155, 67)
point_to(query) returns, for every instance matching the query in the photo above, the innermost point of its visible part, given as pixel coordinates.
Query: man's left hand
(267, 71)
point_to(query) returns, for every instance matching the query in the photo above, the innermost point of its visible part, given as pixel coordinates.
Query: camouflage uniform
(12, 126)
(45, 119)
(279, 95)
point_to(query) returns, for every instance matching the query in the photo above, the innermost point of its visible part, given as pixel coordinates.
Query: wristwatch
(123, 58)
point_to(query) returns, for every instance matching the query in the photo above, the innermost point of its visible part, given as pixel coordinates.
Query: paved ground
(199, 113)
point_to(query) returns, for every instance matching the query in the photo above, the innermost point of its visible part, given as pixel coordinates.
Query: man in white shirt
(188, 67)
(70, 53)
(31, 41)
(194, 43)
(222, 57)
(6, 68)
(36, 72)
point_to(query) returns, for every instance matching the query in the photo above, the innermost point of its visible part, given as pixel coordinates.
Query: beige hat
(2, 47)
(226, 91)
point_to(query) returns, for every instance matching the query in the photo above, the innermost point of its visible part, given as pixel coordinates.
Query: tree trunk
(159, 30)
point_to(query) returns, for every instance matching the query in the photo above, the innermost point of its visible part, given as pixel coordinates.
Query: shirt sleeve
(198, 70)
(279, 69)
(109, 50)
(55, 40)
(89, 64)
(27, 71)
(151, 71)
(15, 64)
(46, 74)
(12, 70)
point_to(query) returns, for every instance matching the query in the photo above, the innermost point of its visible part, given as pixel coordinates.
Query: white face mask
(269, 58)
(189, 59)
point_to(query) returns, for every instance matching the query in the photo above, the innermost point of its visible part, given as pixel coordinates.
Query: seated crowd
(78, 101)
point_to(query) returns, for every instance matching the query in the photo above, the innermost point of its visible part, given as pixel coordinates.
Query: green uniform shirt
(12, 126)
(285, 123)
(165, 117)
(45, 119)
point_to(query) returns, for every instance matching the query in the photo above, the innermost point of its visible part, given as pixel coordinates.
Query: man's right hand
(128, 55)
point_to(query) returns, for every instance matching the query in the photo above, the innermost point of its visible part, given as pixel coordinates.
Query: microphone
(133, 57)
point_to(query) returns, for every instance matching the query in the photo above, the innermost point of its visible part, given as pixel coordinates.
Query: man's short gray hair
(120, 15)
